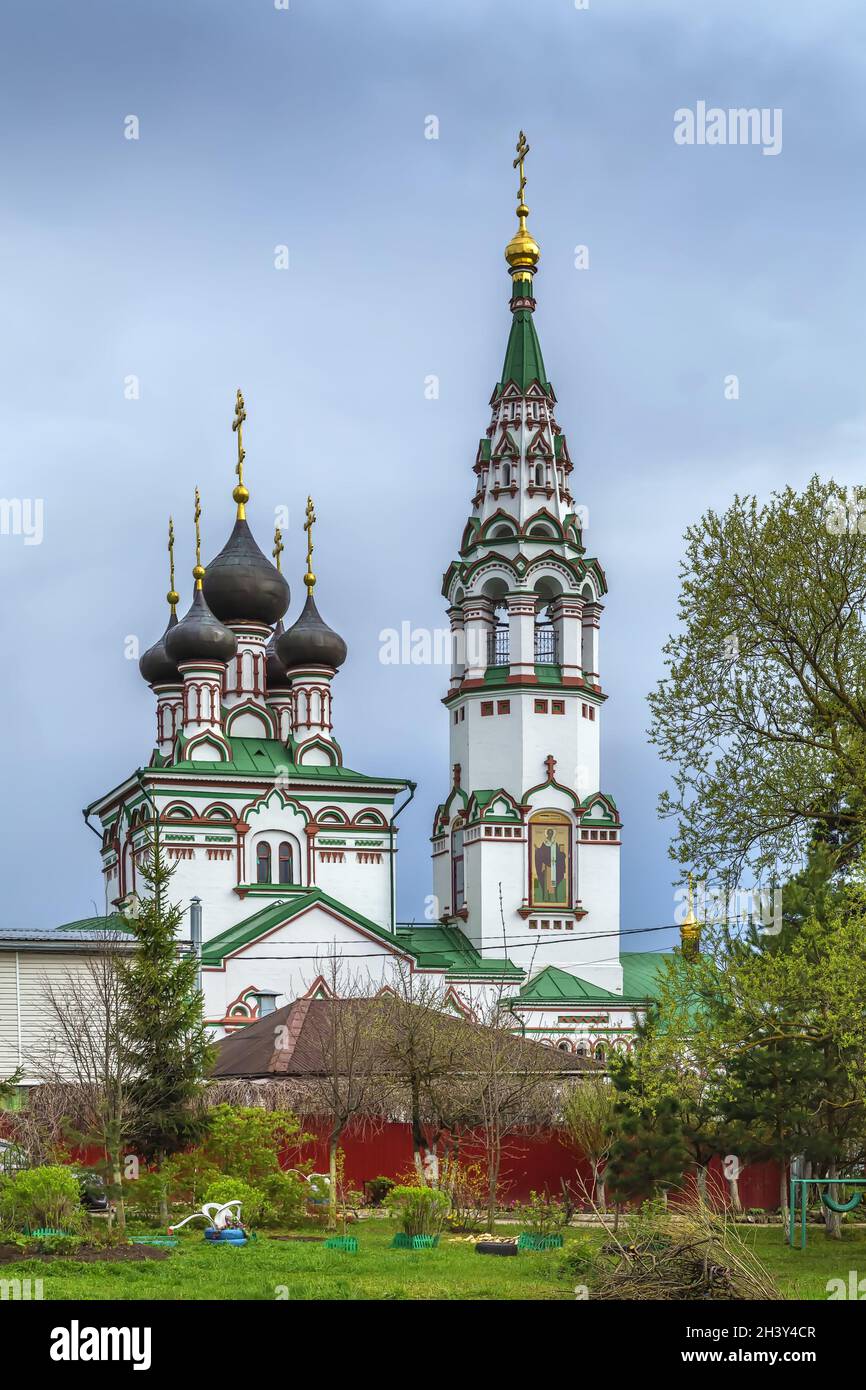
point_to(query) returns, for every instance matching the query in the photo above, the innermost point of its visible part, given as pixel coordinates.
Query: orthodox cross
(550, 764)
(278, 547)
(309, 577)
(240, 494)
(522, 152)
(198, 572)
(172, 596)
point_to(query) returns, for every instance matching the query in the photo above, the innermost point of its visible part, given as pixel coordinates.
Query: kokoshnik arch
(291, 855)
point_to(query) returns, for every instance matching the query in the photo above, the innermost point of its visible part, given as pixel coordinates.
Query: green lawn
(305, 1271)
(268, 1269)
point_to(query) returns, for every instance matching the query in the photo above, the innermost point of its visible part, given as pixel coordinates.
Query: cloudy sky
(261, 127)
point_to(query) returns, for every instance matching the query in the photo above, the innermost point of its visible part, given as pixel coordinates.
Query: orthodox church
(286, 856)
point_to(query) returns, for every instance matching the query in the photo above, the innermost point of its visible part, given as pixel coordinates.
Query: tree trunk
(832, 1219)
(734, 1191)
(117, 1182)
(598, 1187)
(701, 1181)
(783, 1202)
(332, 1192)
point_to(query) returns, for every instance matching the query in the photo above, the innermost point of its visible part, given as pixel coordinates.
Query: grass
(269, 1269)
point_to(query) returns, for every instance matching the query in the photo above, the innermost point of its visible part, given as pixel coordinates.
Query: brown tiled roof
(292, 1042)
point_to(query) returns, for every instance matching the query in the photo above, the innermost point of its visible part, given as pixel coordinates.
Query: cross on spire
(241, 494)
(309, 577)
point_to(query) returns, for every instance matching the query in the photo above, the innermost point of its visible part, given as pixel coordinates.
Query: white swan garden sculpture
(218, 1215)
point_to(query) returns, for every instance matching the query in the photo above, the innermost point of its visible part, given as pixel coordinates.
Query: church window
(458, 883)
(506, 475)
(539, 475)
(550, 860)
(486, 707)
(541, 707)
(557, 707)
(285, 862)
(263, 862)
(503, 706)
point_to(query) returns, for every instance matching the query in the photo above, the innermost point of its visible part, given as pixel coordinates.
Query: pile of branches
(687, 1255)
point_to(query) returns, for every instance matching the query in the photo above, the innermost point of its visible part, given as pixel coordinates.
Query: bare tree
(348, 1087)
(512, 1087)
(84, 1047)
(425, 1049)
(588, 1118)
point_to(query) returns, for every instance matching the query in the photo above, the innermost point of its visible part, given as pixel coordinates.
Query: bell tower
(525, 822)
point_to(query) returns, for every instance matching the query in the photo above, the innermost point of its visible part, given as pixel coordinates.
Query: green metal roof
(112, 923)
(640, 970)
(447, 948)
(251, 928)
(523, 360)
(270, 757)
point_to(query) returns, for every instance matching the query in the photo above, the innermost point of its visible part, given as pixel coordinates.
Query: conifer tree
(165, 1033)
(648, 1154)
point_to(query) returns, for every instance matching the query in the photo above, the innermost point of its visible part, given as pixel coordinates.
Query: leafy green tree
(164, 1032)
(762, 712)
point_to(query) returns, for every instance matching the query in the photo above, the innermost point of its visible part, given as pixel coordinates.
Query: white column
(458, 647)
(477, 625)
(566, 614)
(521, 635)
(591, 616)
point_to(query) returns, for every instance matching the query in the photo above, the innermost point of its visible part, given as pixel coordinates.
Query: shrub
(188, 1176)
(286, 1197)
(543, 1215)
(421, 1211)
(579, 1258)
(254, 1203)
(248, 1140)
(378, 1189)
(48, 1196)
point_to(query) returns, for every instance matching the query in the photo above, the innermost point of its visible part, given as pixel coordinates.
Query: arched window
(539, 475)
(600, 1052)
(285, 862)
(457, 880)
(263, 862)
(506, 475)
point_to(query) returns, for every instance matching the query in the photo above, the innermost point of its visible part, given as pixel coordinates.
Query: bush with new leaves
(421, 1211)
(45, 1197)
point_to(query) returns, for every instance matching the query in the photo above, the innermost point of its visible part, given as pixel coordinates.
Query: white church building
(286, 856)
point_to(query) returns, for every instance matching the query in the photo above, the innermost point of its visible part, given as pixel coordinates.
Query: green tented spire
(523, 360)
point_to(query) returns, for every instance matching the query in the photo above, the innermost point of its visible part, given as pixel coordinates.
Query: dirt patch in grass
(87, 1254)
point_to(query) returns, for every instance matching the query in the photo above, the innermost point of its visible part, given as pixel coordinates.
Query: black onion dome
(310, 641)
(156, 665)
(241, 584)
(276, 671)
(199, 636)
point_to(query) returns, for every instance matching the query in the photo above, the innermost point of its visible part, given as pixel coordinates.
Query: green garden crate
(348, 1243)
(404, 1242)
(528, 1242)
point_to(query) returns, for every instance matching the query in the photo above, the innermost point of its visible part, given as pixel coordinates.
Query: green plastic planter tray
(347, 1243)
(43, 1231)
(404, 1242)
(161, 1241)
(528, 1242)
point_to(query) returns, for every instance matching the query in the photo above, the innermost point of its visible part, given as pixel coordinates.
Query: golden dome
(522, 251)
